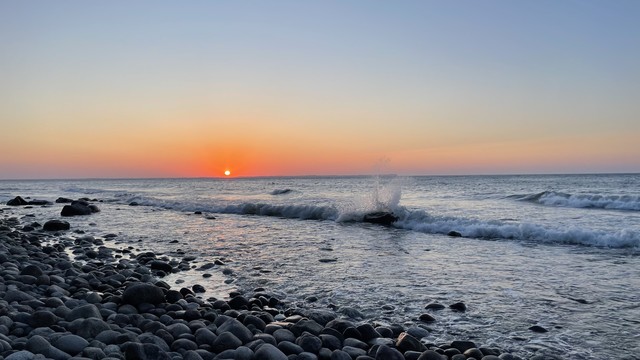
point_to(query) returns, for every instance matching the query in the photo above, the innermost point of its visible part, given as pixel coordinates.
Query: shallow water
(523, 261)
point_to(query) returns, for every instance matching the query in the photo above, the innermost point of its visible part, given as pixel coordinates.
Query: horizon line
(310, 176)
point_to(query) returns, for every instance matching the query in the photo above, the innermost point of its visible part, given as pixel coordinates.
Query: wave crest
(596, 201)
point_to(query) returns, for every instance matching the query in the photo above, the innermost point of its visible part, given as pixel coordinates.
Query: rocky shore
(67, 295)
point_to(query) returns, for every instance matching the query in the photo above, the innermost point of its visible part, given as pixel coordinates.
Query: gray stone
(205, 336)
(183, 344)
(21, 355)
(84, 312)
(225, 341)
(463, 346)
(354, 352)
(56, 225)
(284, 335)
(43, 318)
(290, 348)
(340, 355)
(139, 351)
(387, 353)
(91, 327)
(309, 342)
(71, 344)
(236, 328)
(270, 352)
(148, 338)
(39, 345)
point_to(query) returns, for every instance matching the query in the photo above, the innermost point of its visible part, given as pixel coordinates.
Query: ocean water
(558, 251)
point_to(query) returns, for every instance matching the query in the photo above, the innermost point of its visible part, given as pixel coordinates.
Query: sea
(558, 251)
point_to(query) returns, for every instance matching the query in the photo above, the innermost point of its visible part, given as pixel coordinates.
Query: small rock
(454, 234)
(459, 306)
(56, 225)
(538, 329)
(17, 201)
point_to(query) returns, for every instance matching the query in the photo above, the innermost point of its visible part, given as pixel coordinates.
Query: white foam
(609, 202)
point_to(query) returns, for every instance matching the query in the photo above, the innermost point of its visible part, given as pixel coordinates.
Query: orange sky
(161, 90)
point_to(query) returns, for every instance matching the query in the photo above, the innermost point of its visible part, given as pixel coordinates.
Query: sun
(227, 173)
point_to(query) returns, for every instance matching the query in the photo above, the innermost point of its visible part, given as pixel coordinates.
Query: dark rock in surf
(454, 234)
(39, 202)
(17, 201)
(459, 306)
(76, 208)
(63, 200)
(380, 217)
(434, 306)
(56, 225)
(538, 329)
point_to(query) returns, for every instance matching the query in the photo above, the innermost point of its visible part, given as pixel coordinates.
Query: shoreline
(103, 302)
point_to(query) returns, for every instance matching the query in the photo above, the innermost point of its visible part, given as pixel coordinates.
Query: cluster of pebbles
(65, 295)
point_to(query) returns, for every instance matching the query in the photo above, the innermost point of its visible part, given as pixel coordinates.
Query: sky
(129, 89)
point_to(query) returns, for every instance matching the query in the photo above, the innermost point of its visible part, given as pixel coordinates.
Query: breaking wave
(595, 201)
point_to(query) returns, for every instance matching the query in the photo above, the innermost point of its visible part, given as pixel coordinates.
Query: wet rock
(17, 201)
(463, 346)
(434, 306)
(43, 318)
(56, 225)
(161, 265)
(454, 234)
(309, 342)
(538, 329)
(381, 217)
(474, 353)
(427, 318)
(84, 312)
(459, 306)
(76, 208)
(407, 342)
(63, 200)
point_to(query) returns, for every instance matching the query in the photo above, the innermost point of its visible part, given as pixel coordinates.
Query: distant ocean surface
(558, 251)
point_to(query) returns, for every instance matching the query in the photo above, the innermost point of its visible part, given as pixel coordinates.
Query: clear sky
(194, 88)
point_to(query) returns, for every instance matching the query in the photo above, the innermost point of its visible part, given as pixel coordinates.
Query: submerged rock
(17, 201)
(56, 225)
(380, 217)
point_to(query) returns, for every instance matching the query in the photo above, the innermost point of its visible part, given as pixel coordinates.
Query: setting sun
(227, 173)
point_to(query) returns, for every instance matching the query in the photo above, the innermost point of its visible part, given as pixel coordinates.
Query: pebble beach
(68, 295)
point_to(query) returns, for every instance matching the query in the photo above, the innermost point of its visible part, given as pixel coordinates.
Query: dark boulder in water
(454, 234)
(281, 191)
(79, 208)
(380, 217)
(63, 200)
(39, 202)
(56, 225)
(17, 201)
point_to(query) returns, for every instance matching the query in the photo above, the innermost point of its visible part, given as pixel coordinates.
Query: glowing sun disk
(227, 173)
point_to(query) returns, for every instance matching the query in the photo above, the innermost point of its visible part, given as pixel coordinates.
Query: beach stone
(305, 325)
(236, 328)
(178, 329)
(407, 342)
(309, 342)
(354, 352)
(340, 355)
(490, 357)
(238, 302)
(225, 341)
(161, 265)
(148, 338)
(138, 351)
(21, 355)
(431, 355)
(39, 345)
(284, 335)
(71, 344)
(84, 312)
(139, 293)
(289, 348)
(43, 318)
(386, 353)
(31, 270)
(462, 345)
(474, 353)
(330, 342)
(205, 336)
(183, 344)
(270, 352)
(17, 201)
(63, 200)
(56, 225)
(91, 327)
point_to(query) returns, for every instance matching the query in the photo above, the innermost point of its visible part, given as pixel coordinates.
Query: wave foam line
(423, 222)
(608, 202)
